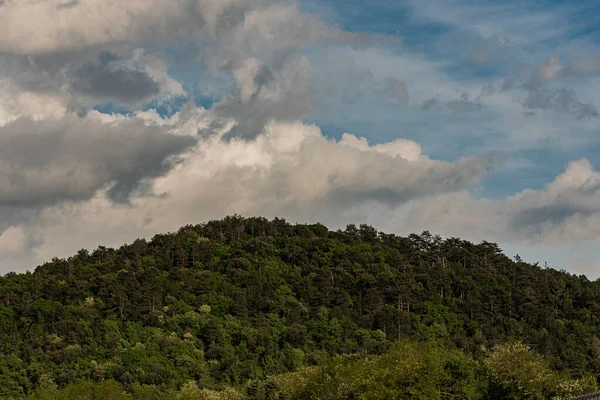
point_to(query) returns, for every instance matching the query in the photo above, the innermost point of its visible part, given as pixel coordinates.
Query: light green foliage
(190, 391)
(516, 372)
(204, 309)
(408, 370)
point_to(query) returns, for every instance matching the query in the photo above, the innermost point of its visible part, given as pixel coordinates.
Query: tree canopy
(244, 302)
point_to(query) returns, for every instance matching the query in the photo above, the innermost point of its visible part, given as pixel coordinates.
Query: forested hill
(240, 299)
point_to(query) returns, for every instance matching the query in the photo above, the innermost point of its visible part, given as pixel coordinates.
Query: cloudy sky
(122, 119)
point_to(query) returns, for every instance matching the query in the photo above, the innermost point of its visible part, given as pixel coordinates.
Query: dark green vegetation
(241, 303)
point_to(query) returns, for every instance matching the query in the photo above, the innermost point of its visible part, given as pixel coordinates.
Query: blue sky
(442, 37)
(482, 115)
(449, 38)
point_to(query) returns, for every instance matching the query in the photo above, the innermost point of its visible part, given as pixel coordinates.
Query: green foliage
(107, 390)
(239, 300)
(408, 370)
(516, 372)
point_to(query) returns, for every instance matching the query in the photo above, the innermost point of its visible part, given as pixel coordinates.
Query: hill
(240, 300)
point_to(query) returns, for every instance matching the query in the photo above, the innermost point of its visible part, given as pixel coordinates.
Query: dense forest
(255, 309)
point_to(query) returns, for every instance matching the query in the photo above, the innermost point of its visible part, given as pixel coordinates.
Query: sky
(124, 119)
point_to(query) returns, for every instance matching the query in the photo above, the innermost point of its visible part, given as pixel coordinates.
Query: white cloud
(403, 148)
(564, 210)
(12, 241)
(43, 26)
(15, 103)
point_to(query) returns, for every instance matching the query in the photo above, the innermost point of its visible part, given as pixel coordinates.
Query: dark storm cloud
(88, 78)
(283, 92)
(47, 162)
(104, 82)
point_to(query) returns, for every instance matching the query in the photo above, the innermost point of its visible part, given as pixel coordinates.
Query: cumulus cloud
(291, 170)
(257, 42)
(15, 103)
(272, 79)
(564, 210)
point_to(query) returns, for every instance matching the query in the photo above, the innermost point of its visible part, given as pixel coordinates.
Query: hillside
(242, 299)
